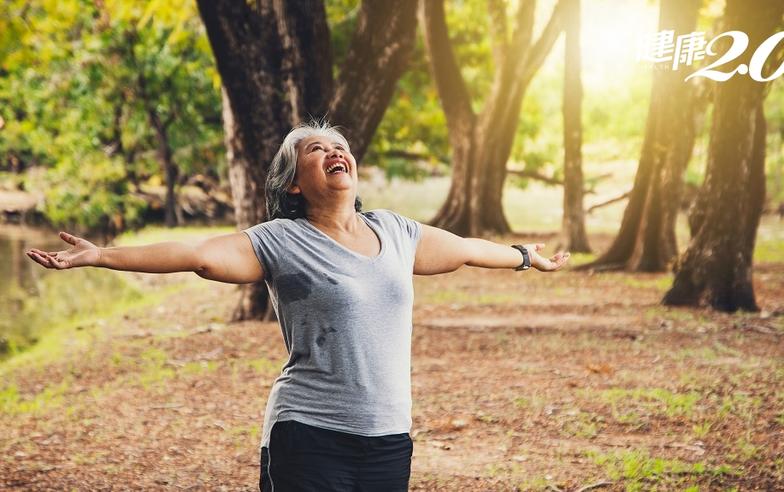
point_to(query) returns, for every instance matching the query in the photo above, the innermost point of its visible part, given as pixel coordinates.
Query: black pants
(304, 458)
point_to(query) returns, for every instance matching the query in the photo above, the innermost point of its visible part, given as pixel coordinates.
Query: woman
(339, 415)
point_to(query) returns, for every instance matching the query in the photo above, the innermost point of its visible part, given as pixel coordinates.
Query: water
(33, 299)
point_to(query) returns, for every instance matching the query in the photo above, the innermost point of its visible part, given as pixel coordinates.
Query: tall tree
(481, 143)
(573, 225)
(716, 269)
(276, 63)
(646, 238)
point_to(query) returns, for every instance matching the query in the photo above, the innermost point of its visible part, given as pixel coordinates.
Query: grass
(640, 471)
(576, 259)
(583, 425)
(659, 282)
(448, 296)
(153, 368)
(744, 450)
(739, 404)
(769, 245)
(701, 430)
(155, 234)
(51, 397)
(712, 353)
(199, 367)
(626, 402)
(529, 403)
(264, 365)
(242, 433)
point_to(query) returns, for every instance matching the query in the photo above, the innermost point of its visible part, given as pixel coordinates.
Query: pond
(34, 299)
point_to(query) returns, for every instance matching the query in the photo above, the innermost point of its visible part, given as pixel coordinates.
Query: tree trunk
(169, 167)
(275, 61)
(573, 228)
(716, 269)
(481, 144)
(646, 239)
(253, 300)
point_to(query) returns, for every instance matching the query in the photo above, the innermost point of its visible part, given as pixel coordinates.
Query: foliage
(80, 81)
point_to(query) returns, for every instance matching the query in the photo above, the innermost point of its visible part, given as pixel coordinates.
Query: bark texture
(716, 269)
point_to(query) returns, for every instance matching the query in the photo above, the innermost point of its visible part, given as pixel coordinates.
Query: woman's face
(324, 167)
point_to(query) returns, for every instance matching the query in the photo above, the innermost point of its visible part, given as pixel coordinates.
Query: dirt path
(525, 381)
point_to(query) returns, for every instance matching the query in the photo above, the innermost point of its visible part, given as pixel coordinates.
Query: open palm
(81, 253)
(546, 264)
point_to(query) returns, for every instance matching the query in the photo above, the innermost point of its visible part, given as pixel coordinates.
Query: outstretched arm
(440, 251)
(225, 258)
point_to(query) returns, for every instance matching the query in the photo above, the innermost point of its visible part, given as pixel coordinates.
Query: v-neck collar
(370, 224)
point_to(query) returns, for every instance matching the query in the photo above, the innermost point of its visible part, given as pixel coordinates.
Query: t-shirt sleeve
(411, 228)
(268, 240)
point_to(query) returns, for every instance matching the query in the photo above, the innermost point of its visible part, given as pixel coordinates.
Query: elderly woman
(338, 417)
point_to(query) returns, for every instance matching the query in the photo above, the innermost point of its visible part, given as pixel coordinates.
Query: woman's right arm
(226, 258)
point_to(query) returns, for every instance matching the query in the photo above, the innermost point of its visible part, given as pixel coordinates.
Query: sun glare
(611, 32)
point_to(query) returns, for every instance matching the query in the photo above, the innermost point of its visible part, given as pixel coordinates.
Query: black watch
(526, 264)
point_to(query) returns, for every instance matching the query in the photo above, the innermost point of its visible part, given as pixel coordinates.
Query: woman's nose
(335, 152)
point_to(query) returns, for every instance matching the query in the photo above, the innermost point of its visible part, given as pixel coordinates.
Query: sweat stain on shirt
(346, 321)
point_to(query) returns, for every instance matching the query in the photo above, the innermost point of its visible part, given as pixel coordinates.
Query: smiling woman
(284, 198)
(338, 416)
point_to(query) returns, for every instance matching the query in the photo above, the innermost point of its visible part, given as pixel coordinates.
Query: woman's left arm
(440, 251)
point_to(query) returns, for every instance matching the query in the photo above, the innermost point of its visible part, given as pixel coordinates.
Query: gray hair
(281, 203)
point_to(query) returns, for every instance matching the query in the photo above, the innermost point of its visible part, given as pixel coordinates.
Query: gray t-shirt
(346, 320)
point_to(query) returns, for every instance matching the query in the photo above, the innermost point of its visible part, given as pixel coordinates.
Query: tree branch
(608, 202)
(544, 44)
(499, 36)
(378, 55)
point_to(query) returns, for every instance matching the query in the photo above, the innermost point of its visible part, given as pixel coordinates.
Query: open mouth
(337, 167)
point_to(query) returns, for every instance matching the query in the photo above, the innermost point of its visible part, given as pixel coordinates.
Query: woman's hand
(543, 264)
(82, 253)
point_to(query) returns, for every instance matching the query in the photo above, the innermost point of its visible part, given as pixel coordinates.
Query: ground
(521, 381)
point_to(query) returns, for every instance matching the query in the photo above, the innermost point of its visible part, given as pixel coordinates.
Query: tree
(646, 238)
(276, 63)
(481, 143)
(573, 226)
(716, 269)
(79, 86)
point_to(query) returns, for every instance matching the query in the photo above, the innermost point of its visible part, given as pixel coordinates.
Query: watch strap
(526, 264)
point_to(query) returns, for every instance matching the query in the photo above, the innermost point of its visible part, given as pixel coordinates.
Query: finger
(58, 264)
(539, 246)
(67, 237)
(32, 256)
(43, 260)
